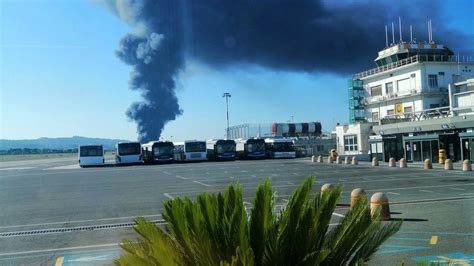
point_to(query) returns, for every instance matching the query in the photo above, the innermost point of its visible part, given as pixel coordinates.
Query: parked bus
(280, 148)
(190, 150)
(91, 155)
(250, 149)
(220, 149)
(128, 153)
(158, 152)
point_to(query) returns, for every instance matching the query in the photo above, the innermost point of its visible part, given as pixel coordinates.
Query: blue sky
(60, 77)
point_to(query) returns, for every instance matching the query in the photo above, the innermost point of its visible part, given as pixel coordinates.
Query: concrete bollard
(392, 162)
(313, 159)
(427, 164)
(326, 188)
(338, 160)
(403, 163)
(375, 162)
(448, 164)
(356, 195)
(329, 159)
(320, 159)
(380, 200)
(466, 165)
(346, 160)
(354, 160)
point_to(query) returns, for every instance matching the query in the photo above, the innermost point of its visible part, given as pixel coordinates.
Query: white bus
(250, 149)
(128, 153)
(158, 152)
(220, 149)
(190, 150)
(280, 148)
(91, 155)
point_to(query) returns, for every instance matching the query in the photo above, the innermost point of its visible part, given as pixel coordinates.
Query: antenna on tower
(400, 28)
(393, 35)
(431, 31)
(411, 34)
(386, 36)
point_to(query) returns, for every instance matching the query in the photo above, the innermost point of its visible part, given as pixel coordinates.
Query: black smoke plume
(302, 35)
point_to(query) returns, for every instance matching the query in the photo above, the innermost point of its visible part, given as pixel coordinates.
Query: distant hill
(57, 143)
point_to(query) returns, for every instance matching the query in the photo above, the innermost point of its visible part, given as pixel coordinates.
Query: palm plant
(214, 229)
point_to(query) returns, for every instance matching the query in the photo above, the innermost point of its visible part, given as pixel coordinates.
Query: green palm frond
(214, 229)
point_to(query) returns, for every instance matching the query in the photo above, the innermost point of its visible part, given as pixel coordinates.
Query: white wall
(361, 130)
(411, 80)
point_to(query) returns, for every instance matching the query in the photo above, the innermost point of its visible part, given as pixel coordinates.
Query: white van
(128, 153)
(91, 155)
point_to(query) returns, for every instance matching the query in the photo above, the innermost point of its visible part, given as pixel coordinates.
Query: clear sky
(59, 77)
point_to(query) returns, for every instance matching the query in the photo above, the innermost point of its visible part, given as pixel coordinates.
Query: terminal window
(433, 81)
(389, 88)
(376, 90)
(350, 143)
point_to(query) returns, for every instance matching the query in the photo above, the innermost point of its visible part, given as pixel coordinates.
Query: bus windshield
(284, 146)
(87, 151)
(253, 147)
(162, 150)
(225, 147)
(129, 149)
(195, 147)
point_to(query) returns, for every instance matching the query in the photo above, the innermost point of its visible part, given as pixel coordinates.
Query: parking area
(55, 212)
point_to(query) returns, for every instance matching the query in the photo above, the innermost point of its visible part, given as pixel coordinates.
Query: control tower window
(433, 81)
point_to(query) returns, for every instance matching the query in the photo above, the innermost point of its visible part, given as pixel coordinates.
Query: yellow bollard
(375, 162)
(356, 195)
(354, 160)
(448, 164)
(380, 200)
(442, 156)
(392, 162)
(466, 165)
(403, 163)
(427, 164)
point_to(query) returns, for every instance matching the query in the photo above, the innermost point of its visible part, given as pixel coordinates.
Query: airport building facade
(418, 100)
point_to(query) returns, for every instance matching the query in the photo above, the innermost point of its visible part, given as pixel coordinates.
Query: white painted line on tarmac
(393, 193)
(467, 194)
(460, 189)
(64, 167)
(201, 183)
(295, 174)
(427, 191)
(58, 249)
(17, 168)
(168, 196)
(337, 214)
(182, 177)
(254, 176)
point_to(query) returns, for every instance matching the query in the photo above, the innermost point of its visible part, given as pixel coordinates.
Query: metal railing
(433, 113)
(412, 60)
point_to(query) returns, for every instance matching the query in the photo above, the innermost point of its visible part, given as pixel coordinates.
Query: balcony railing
(412, 60)
(433, 113)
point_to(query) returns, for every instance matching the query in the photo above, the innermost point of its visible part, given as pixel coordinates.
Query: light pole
(227, 96)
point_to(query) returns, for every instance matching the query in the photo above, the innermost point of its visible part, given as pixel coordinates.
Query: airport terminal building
(418, 100)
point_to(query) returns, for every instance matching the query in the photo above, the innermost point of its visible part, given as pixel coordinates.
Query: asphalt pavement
(56, 213)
